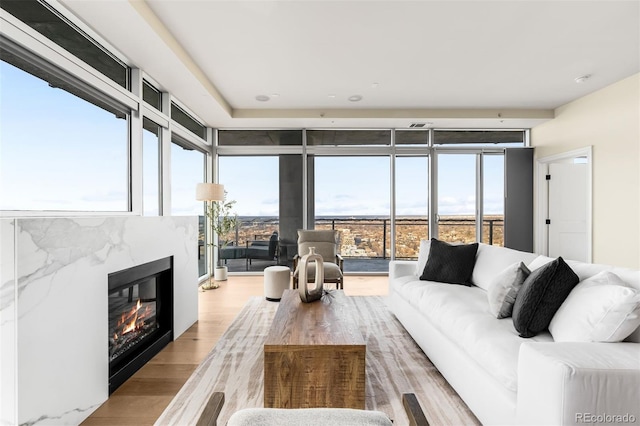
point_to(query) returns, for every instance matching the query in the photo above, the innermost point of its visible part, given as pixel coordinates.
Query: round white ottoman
(276, 281)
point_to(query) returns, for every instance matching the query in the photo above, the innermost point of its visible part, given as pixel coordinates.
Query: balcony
(365, 243)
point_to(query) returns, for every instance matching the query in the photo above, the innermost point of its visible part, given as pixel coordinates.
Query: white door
(568, 211)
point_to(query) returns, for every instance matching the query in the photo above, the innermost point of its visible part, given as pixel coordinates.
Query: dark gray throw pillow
(450, 263)
(541, 295)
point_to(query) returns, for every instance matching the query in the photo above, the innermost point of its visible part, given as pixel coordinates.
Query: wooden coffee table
(314, 355)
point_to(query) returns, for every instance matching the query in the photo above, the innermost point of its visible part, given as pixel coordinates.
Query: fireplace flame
(134, 321)
(130, 322)
(131, 326)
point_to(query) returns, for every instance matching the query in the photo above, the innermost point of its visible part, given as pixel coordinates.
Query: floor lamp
(210, 193)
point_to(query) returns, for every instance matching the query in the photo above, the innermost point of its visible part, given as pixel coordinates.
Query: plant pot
(220, 273)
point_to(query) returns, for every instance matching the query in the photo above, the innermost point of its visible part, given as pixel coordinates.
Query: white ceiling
(449, 63)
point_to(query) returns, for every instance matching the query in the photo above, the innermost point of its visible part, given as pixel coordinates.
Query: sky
(60, 163)
(351, 186)
(87, 170)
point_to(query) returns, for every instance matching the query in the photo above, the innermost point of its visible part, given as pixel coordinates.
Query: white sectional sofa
(504, 378)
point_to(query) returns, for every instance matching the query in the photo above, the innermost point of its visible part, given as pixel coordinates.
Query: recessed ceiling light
(275, 95)
(332, 96)
(582, 78)
(262, 98)
(374, 85)
(355, 98)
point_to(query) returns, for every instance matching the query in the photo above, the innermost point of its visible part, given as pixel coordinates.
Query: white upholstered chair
(326, 245)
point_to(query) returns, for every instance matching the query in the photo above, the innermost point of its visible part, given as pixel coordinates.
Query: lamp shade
(210, 192)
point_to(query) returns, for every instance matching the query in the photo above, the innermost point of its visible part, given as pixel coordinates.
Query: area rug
(395, 365)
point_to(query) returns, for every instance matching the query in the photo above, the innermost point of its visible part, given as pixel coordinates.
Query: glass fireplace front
(140, 317)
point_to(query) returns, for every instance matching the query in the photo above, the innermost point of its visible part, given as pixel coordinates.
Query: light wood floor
(142, 398)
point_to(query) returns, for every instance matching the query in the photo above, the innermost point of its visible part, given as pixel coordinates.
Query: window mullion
(479, 196)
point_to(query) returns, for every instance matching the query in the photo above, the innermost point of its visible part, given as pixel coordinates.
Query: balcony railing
(359, 239)
(369, 238)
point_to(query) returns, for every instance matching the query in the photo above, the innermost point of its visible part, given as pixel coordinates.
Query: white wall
(608, 120)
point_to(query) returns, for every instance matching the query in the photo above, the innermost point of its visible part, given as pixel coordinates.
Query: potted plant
(222, 221)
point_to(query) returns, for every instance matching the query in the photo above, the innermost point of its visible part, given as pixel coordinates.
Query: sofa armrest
(571, 383)
(401, 268)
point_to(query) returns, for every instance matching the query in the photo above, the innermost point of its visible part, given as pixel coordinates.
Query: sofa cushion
(541, 295)
(450, 263)
(504, 288)
(601, 308)
(491, 260)
(462, 314)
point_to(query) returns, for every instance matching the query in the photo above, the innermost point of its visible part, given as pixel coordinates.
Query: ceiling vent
(417, 125)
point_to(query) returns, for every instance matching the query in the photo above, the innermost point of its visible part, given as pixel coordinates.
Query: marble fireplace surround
(53, 306)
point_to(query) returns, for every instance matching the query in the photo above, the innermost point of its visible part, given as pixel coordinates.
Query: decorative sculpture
(307, 295)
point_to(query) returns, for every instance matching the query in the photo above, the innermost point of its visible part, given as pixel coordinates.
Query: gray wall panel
(518, 223)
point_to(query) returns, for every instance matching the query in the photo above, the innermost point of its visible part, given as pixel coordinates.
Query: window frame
(45, 52)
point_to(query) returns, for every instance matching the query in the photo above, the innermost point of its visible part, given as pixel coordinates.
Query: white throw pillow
(599, 309)
(504, 288)
(539, 261)
(491, 260)
(423, 256)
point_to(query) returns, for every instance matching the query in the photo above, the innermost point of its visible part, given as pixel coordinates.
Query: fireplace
(140, 317)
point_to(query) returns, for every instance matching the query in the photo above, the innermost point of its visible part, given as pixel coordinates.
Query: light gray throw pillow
(504, 288)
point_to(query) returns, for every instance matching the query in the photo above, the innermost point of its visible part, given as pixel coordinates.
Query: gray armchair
(325, 242)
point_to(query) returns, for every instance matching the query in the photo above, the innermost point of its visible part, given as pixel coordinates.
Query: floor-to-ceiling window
(471, 191)
(348, 184)
(471, 183)
(412, 205)
(188, 168)
(456, 206)
(262, 170)
(493, 199)
(352, 196)
(253, 183)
